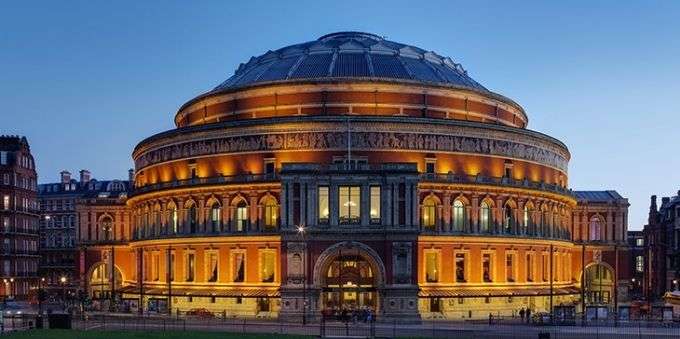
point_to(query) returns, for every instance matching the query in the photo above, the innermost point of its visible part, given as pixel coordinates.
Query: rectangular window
(509, 267)
(375, 204)
(3, 158)
(431, 267)
(530, 268)
(460, 268)
(429, 166)
(5, 202)
(350, 204)
(5, 178)
(171, 267)
(212, 268)
(323, 205)
(639, 242)
(238, 272)
(639, 263)
(155, 266)
(190, 267)
(269, 166)
(487, 266)
(267, 265)
(544, 264)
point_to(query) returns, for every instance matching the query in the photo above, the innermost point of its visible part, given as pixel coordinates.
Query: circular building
(350, 172)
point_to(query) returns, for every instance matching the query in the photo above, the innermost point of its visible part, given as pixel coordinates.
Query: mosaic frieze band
(360, 141)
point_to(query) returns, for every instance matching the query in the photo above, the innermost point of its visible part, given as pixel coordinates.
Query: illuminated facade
(355, 171)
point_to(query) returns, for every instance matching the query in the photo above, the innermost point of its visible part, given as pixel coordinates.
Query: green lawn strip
(74, 334)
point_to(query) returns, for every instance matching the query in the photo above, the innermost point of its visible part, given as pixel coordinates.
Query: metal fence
(392, 329)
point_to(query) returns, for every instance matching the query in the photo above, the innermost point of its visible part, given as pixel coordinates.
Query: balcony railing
(495, 181)
(231, 179)
(12, 252)
(208, 233)
(19, 230)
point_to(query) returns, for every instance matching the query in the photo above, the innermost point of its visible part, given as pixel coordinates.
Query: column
(446, 212)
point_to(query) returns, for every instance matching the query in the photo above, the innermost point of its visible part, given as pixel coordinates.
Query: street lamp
(301, 232)
(675, 284)
(11, 286)
(63, 290)
(40, 295)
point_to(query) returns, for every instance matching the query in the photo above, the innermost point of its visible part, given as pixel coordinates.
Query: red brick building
(18, 218)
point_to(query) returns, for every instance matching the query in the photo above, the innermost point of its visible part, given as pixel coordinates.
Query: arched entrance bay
(349, 275)
(599, 284)
(99, 281)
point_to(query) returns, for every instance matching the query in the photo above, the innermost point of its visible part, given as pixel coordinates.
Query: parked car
(11, 307)
(200, 312)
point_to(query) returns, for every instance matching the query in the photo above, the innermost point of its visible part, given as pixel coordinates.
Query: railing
(351, 166)
(499, 232)
(12, 251)
(495, 181)
(356, 327)
(232, 179)
(20, 230)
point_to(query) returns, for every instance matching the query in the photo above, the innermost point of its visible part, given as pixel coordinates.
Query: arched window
(428, 217)
(107, 228)
(270, 213)
(545, 221)
(526, 220)
(174, 219)
(215, 217)
(192, 218)
(595, 228)
(241, 219)
(484, 217)
(508, 219)
(157, 220)
(458, 216)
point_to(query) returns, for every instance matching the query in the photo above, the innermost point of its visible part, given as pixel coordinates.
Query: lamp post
(301, 232)
(40, 295)
(6, 282)
(63, 290)
(11, 287)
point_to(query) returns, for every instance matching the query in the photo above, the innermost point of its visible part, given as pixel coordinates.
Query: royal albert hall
(353, 171)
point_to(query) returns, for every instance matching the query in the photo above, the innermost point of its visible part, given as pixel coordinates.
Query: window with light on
(350, 204)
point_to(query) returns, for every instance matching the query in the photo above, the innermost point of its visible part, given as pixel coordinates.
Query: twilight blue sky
(85, 81)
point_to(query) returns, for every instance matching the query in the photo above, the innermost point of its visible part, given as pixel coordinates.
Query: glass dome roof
(350, 55)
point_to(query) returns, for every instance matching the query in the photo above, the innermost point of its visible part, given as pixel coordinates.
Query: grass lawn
(73, 334)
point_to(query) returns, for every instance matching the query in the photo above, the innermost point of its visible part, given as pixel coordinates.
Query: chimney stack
(84, 176)
(65, 177)
(665, 200)
(131, 175)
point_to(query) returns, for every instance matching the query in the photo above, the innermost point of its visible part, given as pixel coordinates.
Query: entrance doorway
(599, 285)
(350, 284)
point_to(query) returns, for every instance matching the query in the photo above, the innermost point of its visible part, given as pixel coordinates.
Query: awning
(205, 292)
(497, 292)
